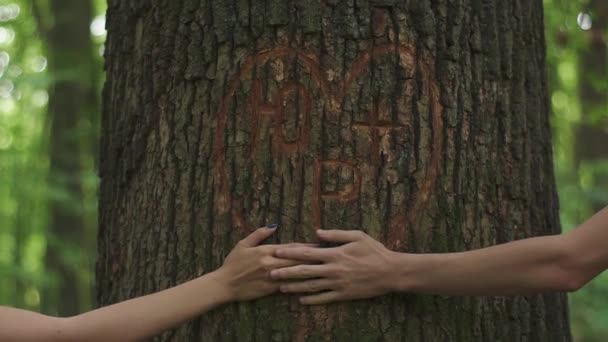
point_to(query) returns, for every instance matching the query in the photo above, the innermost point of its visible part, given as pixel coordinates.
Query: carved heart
(334, 95)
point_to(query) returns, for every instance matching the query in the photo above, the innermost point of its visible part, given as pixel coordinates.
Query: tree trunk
(71, 98)
(424, 123)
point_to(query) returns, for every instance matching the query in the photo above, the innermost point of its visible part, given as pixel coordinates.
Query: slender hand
(244, 275)
(363, 267)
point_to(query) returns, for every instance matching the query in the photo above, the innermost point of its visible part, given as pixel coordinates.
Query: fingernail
(320, 231)
(282, 288)
(272, 226)
(279, 252)
(273, 273)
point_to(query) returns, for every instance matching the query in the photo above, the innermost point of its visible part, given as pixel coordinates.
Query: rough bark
(71, 100)
(425, 123)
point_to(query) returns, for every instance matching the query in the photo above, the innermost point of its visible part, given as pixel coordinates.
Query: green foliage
(581, 183)
(24, 163)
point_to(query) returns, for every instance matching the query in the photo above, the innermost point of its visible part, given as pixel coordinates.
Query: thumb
(341, 236)
(257, 236)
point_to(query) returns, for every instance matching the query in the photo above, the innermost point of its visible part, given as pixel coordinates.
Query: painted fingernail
(272, 226)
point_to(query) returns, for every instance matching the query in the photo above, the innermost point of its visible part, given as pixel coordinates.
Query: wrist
(221, 285)
(403, 275)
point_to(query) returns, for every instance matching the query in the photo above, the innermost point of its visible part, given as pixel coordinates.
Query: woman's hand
(361, 268)
(244, 275)
(246, 270)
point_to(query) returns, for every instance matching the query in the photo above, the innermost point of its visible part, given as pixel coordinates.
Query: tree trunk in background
(20, 231)
(592, 134)
(425, 123)
(71, 97)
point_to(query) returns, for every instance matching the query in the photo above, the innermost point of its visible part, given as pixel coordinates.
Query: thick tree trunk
(425, 123)
(71, 99)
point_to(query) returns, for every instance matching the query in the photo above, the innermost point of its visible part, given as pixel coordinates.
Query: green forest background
(51, 71)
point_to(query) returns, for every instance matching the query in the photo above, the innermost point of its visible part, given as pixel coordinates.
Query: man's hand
(246, 270)
(361, 268)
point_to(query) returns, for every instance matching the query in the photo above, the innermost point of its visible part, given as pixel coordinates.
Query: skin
(244, 275)
(364, 268)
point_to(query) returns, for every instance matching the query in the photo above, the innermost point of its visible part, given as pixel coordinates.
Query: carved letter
(276, 111)
(347, 195)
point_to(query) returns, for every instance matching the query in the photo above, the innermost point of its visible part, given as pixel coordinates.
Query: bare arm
(130, 320)
(243, 276)
(541, 264)
(363, 268)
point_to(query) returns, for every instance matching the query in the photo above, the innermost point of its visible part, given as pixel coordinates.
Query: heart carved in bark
(329, 99)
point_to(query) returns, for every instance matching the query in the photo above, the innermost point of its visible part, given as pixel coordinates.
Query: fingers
(341, 236)
(257, 236)
(315, 285)
(298, 244)
(306, 253)
(281, 263)
(271, 249)
(301, 272)
(321, 298)
(289, 245)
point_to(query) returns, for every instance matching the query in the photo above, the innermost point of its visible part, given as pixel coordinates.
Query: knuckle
(343, 283)
(257, 252)
(337, 254)
(333, 255)
(340, 272)
(266, 262)
(266, 250)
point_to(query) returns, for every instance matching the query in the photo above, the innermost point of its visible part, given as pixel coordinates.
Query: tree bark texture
(424, 123)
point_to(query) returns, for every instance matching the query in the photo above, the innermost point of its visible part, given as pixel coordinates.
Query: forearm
(520, 267)
(244, 275)
(146, 316)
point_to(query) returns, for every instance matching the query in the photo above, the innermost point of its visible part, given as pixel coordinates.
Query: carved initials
(276, 111)
(376, 128)
(333, 94)
(349, 194)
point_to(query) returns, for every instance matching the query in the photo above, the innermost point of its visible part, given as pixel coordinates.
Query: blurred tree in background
(72, 130)
(50, 81)
(577, 36)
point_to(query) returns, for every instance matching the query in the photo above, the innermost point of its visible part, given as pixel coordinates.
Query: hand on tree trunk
(364, 268)
(246, 269)
(244, 275)
(361, 268)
